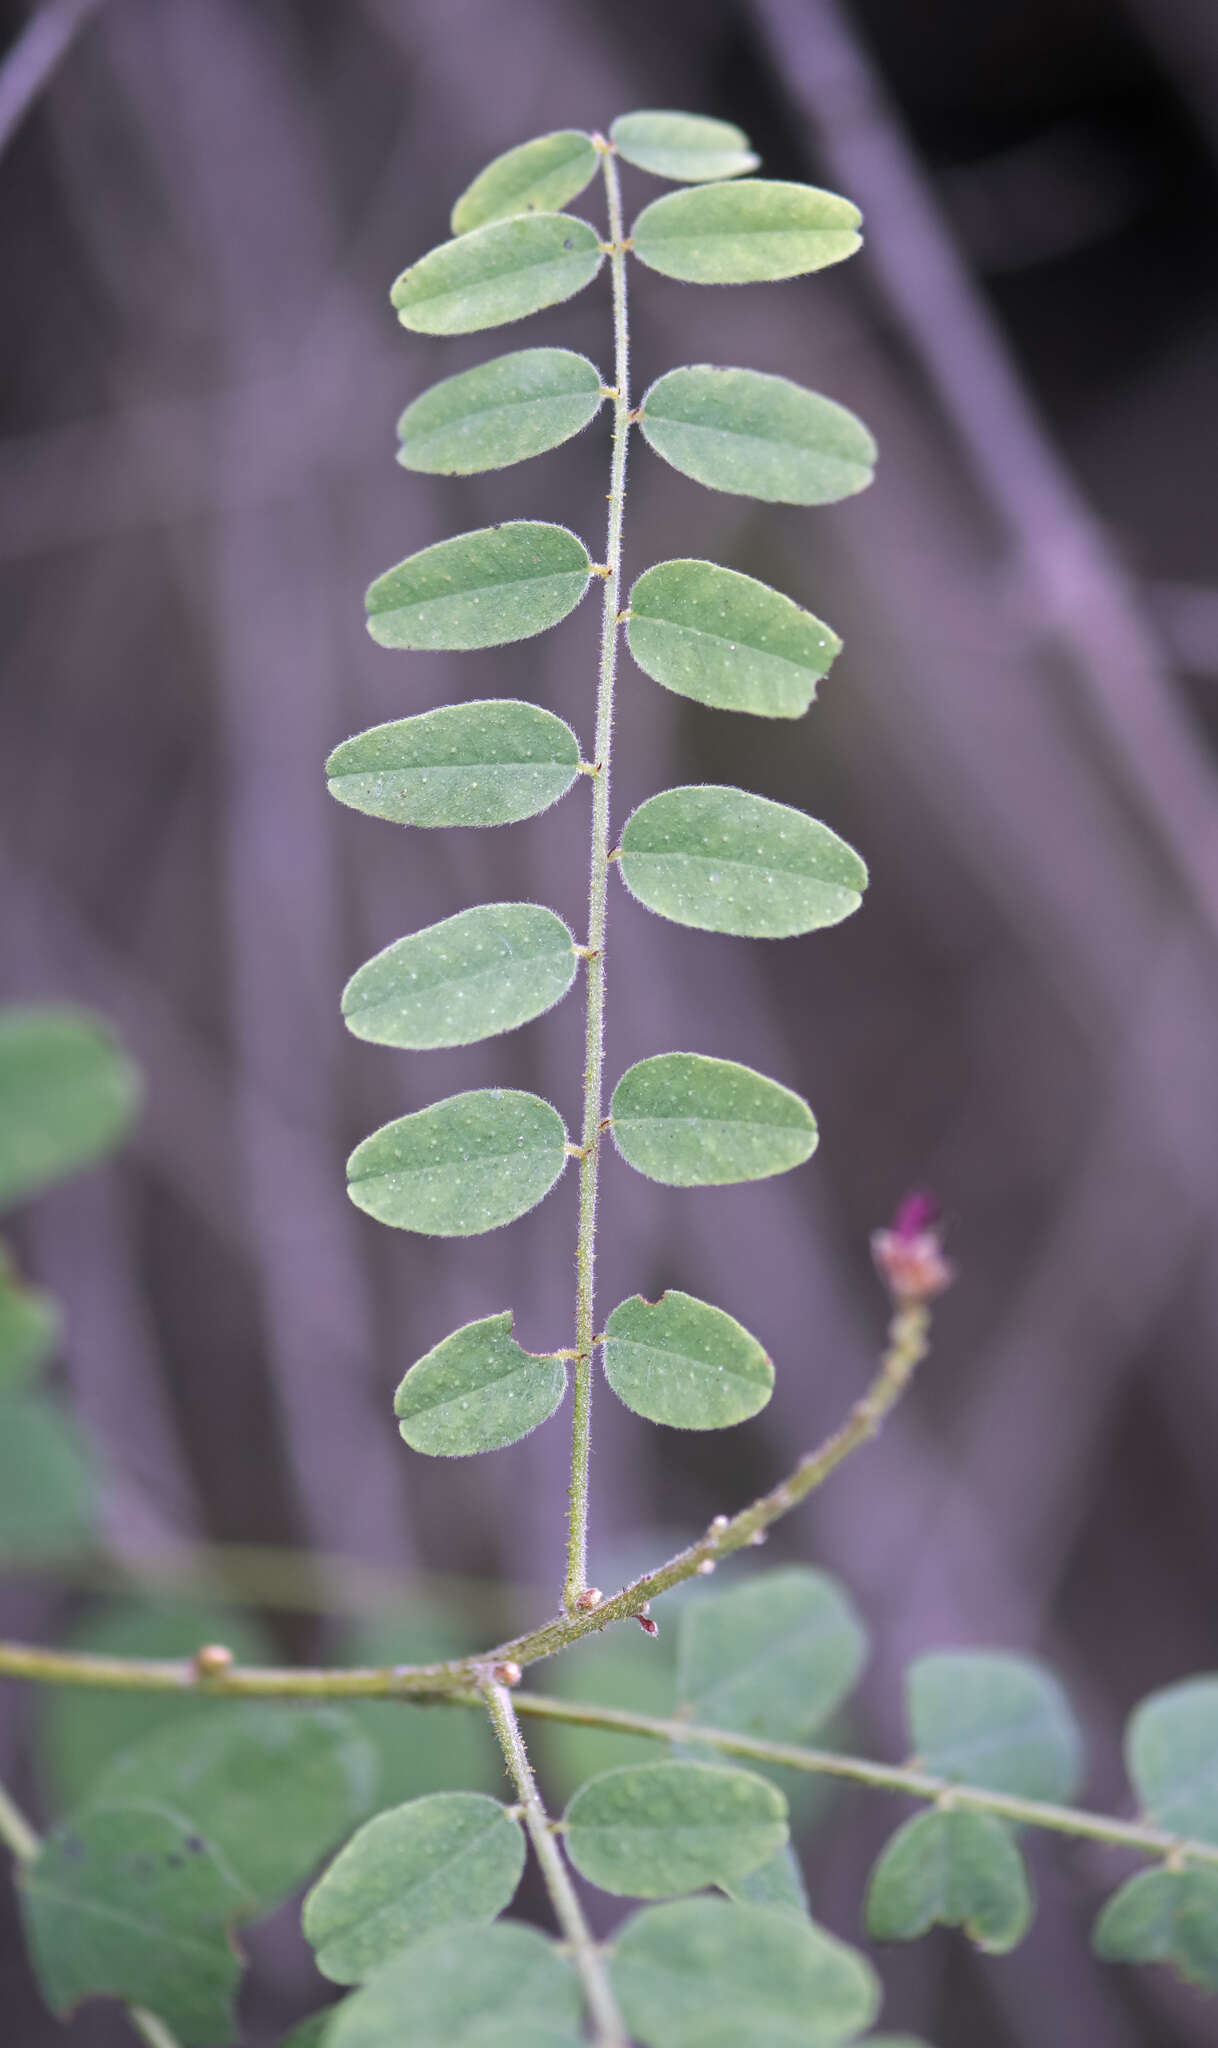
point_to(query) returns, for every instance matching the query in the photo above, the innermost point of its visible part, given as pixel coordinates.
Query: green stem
(587, 1957)
(598, 885)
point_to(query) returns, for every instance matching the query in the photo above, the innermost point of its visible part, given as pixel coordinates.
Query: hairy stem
(610, 2032)
(598, 884)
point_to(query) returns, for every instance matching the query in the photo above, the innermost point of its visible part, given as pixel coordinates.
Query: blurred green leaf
(486, 763)
(30, 1327)
(757, 436)
(68, 1095)
(541, 176)
(727, 640)
(48, 1501)
(702, 1971)
(445, 1860)
(681, 1362)
(501, 412)
(621, 1668)
(687, 147)
(480, 589)
(772, 1657)
(131, 1902)
(469, 1988)
(1164, 1916)
(462, 1166)
(498, 273)
(778, 1881)
(1171, 1748)
(757, 230)
(483, 971)
(690, 1121)
(648, 1830)
(724, 860)
(477, 1391)
(422, 1748)
(311, 2032)
(955, 1869)
(993, 1719)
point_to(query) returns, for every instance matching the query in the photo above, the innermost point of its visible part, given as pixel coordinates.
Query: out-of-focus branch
(31, 61)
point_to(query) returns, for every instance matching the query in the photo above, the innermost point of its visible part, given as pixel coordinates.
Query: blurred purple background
(200, 219)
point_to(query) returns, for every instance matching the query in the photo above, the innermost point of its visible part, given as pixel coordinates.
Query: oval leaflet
(480, 589)
(462, 1166)
(757, 436)
(690, 1121)
(483, 971)
(499, 413)
(491, 762)
(477, 1391)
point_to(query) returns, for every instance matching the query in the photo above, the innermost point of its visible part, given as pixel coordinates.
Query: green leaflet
(778, 1881)
(30, 1327)
(500, 413)
(757, 230)
(1171, 1748)
(483, 971)
(272, 1787)
(447, 1860)
(649, 1830)
(689, 148)
(498, 273)
(993, 1719)
(690, 1121)
(681, 1362)
(724, 860)
(48, 1503)
(68, 1095)
(487, 763)
(727, 640)
(954, 1868)
(699, 1971)
(130, 1902)
(462, 1166)
(541, 176)
(310, 2033)
(1164, 1916)
(757, 436)
(772, 1657)
(420, 1751)
(477, 1391)
(502, 1986)
(480, 589)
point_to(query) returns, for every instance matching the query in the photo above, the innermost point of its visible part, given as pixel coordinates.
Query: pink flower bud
(909, 1254)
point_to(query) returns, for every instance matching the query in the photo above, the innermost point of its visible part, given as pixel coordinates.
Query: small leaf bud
(706, 1566)
(212, 1660)
(590, 1598)
(506, 1674)
(718, 1525)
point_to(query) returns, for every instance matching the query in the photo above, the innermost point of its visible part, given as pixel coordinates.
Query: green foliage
(68, 1095)
(1165, 1916)
(30, 1327)
(541, 176)
(690, 1121)
(488, 763)
(988, 1718)
(473, 1987)
(480, 589)
(757, 436)
(957, 1868)
(500, 413)
(689, 147)
(726, 861)
(461, 1167)
(442, 1861)
(420, 1750)
(773, 1657)
(755, 231)
(649, 1830)
(727, 640)
(778, 1881)
(498, 273)
(483, 971)
(1171, 1749)
(681, 1362)
(477, 1391)
(48, 1506)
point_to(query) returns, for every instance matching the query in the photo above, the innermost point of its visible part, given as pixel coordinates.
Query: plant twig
(585, 1953)
(42, 44)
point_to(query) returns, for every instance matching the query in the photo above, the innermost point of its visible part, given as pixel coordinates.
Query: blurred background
(202, 206)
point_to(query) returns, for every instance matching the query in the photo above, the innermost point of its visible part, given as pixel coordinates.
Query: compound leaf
(727, 640)
(480, 589)
(683, 1363)
(48, 1504)
(691, 1121)
(487, 763)
(272, 1788)
(703, 1971)
(757, 230)
(689, 148)
(757, 436)
(68, 1094)
(500, 413)
(1164, 1916)
(501, 1986)
(648, 1830)
(477, 1391)
(461, 1166)
(993, 1719)
(498, 273)
(724, 860)
(1171, 1748)
(30, 1327)
(773, 1657)
(541, 176)
(483, 971)
(956, 1869)
(446, 1860)
(131, 1902)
